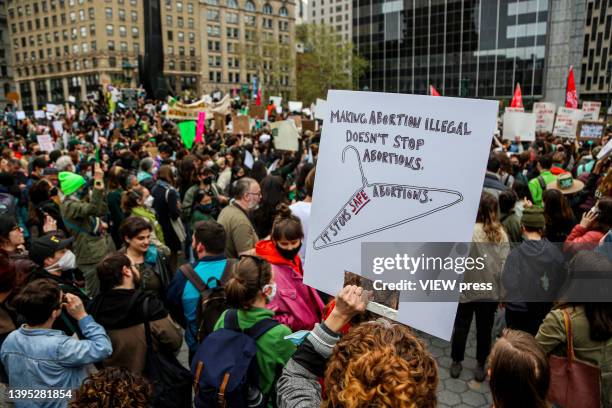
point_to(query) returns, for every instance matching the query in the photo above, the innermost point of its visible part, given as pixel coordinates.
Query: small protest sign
(566, 122)
(519, 124)
(257, 112)
(310, 125)
(320, 109)
(545, 116)
(187, 130)
(45, 142)
(248, 159)
(590, 110)
(295, 107)
(20, 115)
(590, 130)
(240, 124)
(38, 114)
(285, 135)
(219, 122)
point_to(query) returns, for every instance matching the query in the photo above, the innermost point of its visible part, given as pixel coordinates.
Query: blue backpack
(225, 370)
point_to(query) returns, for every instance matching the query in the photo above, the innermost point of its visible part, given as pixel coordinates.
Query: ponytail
(286, 225)
(249, 277)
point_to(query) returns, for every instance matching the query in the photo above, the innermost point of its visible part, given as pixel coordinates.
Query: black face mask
(53, 192)
(207, 180)
(288, 254)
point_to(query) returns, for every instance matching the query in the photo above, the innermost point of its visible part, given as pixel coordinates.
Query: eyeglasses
(256, 194)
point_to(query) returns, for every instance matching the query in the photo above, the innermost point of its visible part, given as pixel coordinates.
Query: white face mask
(272, 293)
(209, 163)
(148, 202)
(66, 262)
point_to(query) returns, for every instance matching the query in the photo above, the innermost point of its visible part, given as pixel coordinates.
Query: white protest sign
(51, 108)
(248, 159)
(58, 126)
(45, 142)
(519, 124)
(605, 151)
(388, 152)
(71, 99)
(39, 114)
(545, 116)
(590, 110)
(285, 135)
(277, 100)
(510, 109)
(279, 109)
(20, 115)
(320, 109)
(566, 122)
(295, 106)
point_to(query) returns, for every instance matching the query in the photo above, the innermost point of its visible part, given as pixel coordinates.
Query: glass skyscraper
(476, 48)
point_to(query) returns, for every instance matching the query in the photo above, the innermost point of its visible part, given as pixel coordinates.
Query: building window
(190, 23)
(112, 62)
(181, 36)
(267, 22)
(111, 45)
(231, 18)
(170, 36)
(134, 15)
(122, 31)
(212, 15)
(249, 20)
(191, 38)
(135, 32)
(84, 32)
(124, 46)
(170, 50)
(179, 6)
(190, 8)
(212, 2)
(109, 30)
(233, 32)
(267, 9)
(180, 23)
(213, 30)
(109, 13)
(250, 6)
(121, 15)
(283, 26)
(283, 12)
(169, 21)
(232, 4)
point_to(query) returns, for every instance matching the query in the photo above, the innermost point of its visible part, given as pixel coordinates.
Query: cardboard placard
(590, 130)
(545, 116)
(519, 124)
(285, 135)
(309, 125)
(257, 112)
(219, 122)
(590, 110)
(566, 122)
(45, 142)
(240, 124)
(381, 189)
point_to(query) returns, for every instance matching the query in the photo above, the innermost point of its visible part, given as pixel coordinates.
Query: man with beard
(119, 308)
(241, 235)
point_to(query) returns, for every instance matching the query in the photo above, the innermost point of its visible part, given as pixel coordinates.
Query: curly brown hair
(113, 387)
(381, 364)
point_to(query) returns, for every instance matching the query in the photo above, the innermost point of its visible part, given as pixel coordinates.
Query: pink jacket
(295, 304)
(582, 239)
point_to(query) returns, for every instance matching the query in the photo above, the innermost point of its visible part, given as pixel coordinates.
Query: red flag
(258, 100)
(571, 97)
(433, 91)
(517, 99)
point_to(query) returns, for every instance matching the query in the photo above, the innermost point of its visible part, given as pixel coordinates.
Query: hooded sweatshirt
(120, 312)
(295, 304)
(533, 271)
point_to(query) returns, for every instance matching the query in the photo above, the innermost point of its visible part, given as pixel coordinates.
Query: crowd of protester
(121, 245)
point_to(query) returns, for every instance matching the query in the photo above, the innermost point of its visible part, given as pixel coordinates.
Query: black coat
(166, 210)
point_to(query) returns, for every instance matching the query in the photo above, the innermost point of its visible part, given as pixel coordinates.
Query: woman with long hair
(519, 372)
(272, 194)
(154, 274)
(558, 214)
(168, 209)
(490, 242)
(377, 364)
(297, 305)
(113, 387)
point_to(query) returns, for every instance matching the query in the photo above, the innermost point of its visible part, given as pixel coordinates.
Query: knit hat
(70, 182)
(533, 217)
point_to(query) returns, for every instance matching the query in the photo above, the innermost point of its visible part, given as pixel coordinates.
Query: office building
(63, 48)
(337, 14)
(6, 77)
(596, 75)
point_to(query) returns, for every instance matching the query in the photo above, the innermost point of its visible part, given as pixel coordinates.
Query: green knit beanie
(70, 182)
(533, 217)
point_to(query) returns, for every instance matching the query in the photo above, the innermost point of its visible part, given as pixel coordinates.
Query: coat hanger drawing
(365, 198)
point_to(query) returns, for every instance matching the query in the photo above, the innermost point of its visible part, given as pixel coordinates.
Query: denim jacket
(48, 359)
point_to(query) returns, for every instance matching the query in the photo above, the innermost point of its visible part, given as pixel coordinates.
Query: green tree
(328, 62)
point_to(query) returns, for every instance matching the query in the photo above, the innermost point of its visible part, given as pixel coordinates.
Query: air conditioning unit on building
(299, 47)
